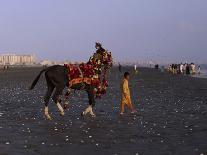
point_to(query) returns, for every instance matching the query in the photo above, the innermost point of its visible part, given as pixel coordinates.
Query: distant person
(126, 98)
(6, 67)
(175, 68)
(181, 68)
(199, 69)
(162, 68)
(193, 68)
(135, 69)
(187, 69)
(156, 66)
(169, 69)
(120, 67)
(184, 68)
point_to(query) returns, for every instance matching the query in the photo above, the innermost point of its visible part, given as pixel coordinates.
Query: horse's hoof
(83, 113)
(48, 117)
(65, 106)
(93, 115)
(62, 113)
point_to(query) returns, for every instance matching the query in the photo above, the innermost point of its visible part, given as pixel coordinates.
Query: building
(13, 59)
(47, 63)
(50, 62)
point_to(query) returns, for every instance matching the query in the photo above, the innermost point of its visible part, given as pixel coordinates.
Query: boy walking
(126, 98)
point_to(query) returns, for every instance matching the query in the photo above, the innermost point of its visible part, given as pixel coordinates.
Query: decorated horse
(91, 77)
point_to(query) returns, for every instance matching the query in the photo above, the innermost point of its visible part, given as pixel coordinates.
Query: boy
(126, 99)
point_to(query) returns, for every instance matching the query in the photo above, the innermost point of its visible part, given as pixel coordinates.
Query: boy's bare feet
(133, 112)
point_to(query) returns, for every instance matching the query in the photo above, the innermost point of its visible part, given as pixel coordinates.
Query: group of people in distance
(183, 68)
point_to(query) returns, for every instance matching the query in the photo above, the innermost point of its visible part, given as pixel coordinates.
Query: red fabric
(91, 69)
(74, 72)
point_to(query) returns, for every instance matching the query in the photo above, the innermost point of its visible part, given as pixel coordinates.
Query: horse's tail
(36, 79)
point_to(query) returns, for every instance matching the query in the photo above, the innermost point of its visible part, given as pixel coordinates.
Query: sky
(133, 30)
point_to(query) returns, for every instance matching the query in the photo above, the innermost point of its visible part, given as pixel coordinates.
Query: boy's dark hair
(126, 74)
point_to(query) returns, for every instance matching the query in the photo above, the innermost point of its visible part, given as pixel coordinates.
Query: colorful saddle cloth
(94, 72)
(80, 70)
(85, 73)
(79, 73)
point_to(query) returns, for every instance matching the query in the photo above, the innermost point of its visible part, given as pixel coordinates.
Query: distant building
(50, 62)
(13, 59)
(47, 63)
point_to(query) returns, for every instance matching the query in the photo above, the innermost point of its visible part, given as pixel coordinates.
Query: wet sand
(171, 119)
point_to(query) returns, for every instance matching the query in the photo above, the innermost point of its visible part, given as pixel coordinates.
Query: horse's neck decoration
(94, 72)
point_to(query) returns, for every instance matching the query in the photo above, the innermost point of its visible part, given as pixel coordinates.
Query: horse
(58, 77)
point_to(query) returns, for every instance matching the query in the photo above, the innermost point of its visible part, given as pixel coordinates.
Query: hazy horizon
(161, 30)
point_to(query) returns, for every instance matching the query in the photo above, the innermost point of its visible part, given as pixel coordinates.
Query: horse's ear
(98, 44)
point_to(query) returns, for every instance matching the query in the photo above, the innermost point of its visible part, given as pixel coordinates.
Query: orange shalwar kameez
(126, 98)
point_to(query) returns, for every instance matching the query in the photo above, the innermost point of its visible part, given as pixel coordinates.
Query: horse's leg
(56, 98)
(50, 88)
(66, 103)
(89, 109)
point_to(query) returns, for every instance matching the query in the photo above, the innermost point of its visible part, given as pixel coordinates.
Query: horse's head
(102, 61)
(98, 45)
(102, 58)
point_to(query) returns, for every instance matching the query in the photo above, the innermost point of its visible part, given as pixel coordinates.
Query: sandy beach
(171, 119)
